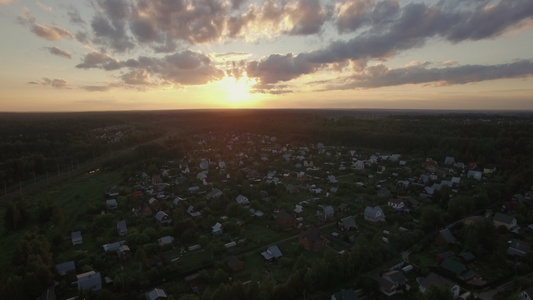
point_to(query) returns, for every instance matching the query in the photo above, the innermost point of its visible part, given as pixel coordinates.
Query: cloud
(51, 33)
(6, 1)
(43, 6)
(400, 29)
(96, 88)
(100, 61)
(182, 68)
(56, 83)
(59, 52)
(381, 76)
(307, 17)
(75, 17)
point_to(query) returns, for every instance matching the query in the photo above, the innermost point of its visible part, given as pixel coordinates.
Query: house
(66, 267)
(215, 193)
(449, 160)
(156, 294)
(89, 281)
(242, 200)
(272, 253)
(348, 294)
(384, 193)
(154, 203)
(163, 218)
(112, 247)
(122, 228)
(313, 239)
(518, 247)
(402, 185)
(439, 281)
(284, 220)
(397, 204)
(113, 192)
(467, 257)
(76, 238)
(457, 269)
(111, 203)
(216, 229)
(327, 212)
(392, 282)
(507, 221)
(347, 224)
(192, 212)
(235, 264)
(332, 179)
(359, 165)
(446, 237)
(374, 214)
(156, 179)
(166, 240)
(444, 255)
(474, 174)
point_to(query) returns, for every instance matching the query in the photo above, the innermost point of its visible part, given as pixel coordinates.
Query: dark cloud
(55, 83)
(183, 68)
(307, 17)
(59, 52)
(405, 28)
(380, 76)
(110, 26)
(236, 4)
(99, 60)
(277, 68)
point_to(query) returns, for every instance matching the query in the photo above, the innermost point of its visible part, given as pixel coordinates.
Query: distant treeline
(40, 143)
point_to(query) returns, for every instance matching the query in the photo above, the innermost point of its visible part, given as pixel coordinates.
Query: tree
(435, 292)
(431, 218)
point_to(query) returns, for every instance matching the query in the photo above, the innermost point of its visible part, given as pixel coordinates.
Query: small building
(392, 282)
(216, 229)
(326, 212)
(89, 281)
(507, 221)
(397, 204)
(112, 247)
(122, 228)
(156, 294)
(374, 214)
(439, 281)
(347, 224)
(518, 248)
(242, 200)
(76, 238)
(163, 218)
(66, 267)
(446, 238)
(166, 240)
(284, 220)
(111, 203)
(313, 239)
(124, 252)
(272, 253)
(347, 294)
(235, 264)
(457, 269)
(215, 193)
(332, 179)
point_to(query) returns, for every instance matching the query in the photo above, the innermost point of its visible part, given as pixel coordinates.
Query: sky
(109, 55)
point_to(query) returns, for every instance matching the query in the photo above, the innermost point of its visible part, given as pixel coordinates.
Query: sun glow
(239, 91)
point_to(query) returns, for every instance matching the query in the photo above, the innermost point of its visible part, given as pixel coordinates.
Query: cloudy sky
(178, 54)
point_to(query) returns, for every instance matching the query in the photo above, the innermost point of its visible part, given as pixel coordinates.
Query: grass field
(73, 197)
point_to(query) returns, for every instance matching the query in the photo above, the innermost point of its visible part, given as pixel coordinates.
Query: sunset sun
(238, 92)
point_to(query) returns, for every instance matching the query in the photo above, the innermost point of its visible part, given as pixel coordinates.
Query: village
(248, 209)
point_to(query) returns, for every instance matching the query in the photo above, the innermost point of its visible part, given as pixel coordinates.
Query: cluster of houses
(243, 154)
